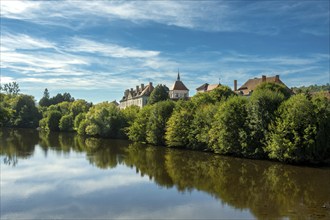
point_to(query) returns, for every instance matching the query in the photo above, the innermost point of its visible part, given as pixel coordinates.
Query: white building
(138, 97)
(178, 90)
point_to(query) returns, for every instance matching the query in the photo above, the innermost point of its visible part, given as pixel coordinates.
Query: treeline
(312, 88)
(271, 124)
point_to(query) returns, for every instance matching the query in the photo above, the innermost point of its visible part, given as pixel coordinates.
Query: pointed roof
(178, 84)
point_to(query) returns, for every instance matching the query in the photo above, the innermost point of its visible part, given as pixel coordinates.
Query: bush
(229, 132)
(293, 135)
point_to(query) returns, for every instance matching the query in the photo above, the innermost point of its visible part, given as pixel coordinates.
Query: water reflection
(266, 189)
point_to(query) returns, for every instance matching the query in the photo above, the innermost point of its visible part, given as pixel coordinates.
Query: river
(64, 176)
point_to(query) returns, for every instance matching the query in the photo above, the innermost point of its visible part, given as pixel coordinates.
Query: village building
(249, 86)
(178, 90)
(207, 87)
(138, 97)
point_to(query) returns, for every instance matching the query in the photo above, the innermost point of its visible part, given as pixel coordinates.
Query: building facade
(138, 97)
(249, 86)
(207, 87)
(178, 90)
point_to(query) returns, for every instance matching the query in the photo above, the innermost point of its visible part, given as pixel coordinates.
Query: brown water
(64, 176)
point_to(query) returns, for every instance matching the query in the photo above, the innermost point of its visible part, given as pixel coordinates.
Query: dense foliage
(312, 88)
(17, 110)
(160, 93)
(271, 123)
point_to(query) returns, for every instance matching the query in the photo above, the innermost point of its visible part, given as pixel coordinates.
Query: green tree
(322, 111)
(160, 93)
(131, 113)
(6, 112)
(66, 123)
(53, 120)
(10, 88)
(275, 87)
(105, 120)
(26, 114)
(292, 136)
(178, 126)
(218, 94)
(160, 113)
(200, 126)
(78, 119)
(79, 106)
(229, 131)
(137, 130)
(44, 101)
(261, 112)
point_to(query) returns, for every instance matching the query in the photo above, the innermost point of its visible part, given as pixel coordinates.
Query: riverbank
(270, 124)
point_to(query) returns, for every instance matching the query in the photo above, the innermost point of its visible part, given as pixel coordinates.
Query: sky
(96, 49)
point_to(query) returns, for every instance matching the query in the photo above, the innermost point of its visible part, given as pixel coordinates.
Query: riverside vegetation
(271, 124)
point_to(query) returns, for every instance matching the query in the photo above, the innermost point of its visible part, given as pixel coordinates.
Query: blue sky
(97, 49)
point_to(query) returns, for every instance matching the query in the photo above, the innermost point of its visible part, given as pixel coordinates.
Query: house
(178, 90)
(207, 87)
(138, 97)
(249, 86)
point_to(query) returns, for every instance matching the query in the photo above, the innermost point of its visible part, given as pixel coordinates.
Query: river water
(64, 176)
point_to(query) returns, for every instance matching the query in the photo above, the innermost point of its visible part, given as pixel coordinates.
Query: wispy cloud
(111, 50)
(206, 15)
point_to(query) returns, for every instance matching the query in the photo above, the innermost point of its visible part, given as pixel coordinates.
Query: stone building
(138, 97)
(207, 87)
(249, 86)
(178, 90)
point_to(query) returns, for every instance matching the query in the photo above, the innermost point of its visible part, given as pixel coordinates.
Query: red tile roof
(178, 85)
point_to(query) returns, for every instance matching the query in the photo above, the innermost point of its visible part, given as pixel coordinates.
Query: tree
(79, 106)
(53, 120)
(44, 101)
(26, 114)
(105, 120)
(131, 113)
(77, 120)
(137, 130)
(275, 87)
(11, 88)
(160, 93)
(229, 131)
(200, 126)
(322, 111)
(160, 113)
(178, 125)
(261, 112)
(218, 94)
(292, 136)
(66, 123)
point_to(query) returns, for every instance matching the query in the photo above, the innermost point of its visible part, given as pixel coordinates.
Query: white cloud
(205, 15)
(23, 41)
(112, 50)
(18, 9)
(6, 79)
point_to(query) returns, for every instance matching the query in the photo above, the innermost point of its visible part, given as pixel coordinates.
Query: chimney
(277, 78)
(126, 92)
(137, 89)
(142, 87)
(263, 78)
(235, 85)
(131, 90)
(150, 85)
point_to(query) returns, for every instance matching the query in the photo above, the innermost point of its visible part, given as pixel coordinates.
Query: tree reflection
(269, 190)
(15, 145)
